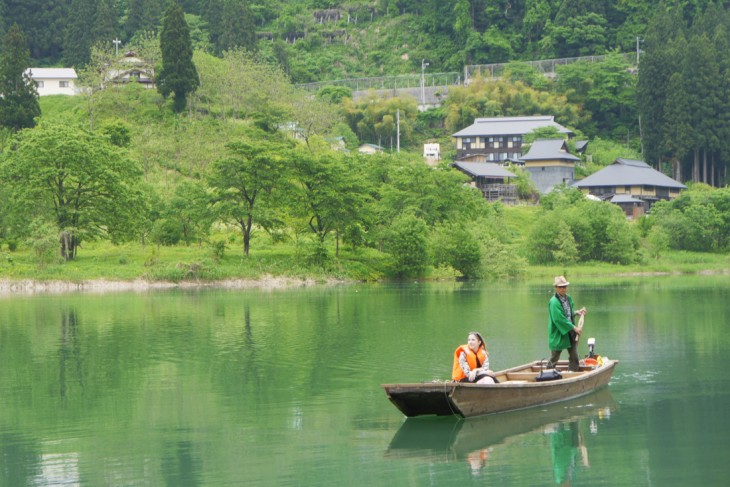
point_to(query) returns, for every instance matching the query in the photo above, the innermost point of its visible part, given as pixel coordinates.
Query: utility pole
(397, 124)
(116, 46)
(423, 82)
(639, 40)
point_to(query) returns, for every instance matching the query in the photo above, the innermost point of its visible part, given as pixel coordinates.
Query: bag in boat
(548, 374)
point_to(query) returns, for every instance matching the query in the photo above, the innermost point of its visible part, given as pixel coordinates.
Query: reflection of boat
(454, 438)
(517, 389)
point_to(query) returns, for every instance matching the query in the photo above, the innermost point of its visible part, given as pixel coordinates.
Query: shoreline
(101, 286)
(267, 282)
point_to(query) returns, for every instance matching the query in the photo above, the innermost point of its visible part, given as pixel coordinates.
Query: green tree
(189, 207)
(79, 35)
(142, 16)
(244, 182)
(606, 89)
(106, 23)
(87, 186)
(234, 27)
(373, 119)
(577, 36)
(407, 243)
(331, 195)
(42, 22)
(657, 64)
(19, 100)
(178, 75)
(678, 130)
(457, 246)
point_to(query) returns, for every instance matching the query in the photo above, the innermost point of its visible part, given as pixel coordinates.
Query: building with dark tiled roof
(550, 164)
(500, 138)
(626, 181)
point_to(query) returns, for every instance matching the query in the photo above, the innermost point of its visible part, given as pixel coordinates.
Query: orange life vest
(471, 359)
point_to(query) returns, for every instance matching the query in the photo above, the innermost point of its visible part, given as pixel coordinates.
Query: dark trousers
(573, 360)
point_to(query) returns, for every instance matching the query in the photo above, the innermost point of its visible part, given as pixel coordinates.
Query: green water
(282, 387)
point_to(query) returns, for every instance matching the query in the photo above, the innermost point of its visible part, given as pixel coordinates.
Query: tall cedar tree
(79, 33)
(658, 63)
(106, 25)
(232, 25)
(19, 103)
(178, 75)
(142, 15)
(42, 23)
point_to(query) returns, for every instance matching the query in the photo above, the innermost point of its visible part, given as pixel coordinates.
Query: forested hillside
(327, 39)
(228, 153)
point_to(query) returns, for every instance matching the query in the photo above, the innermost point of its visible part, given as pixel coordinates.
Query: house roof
(581, 145)
(53, 73)
(549, 149)
(485, 127)
(484, 169)
(625, 198)
(628, 172)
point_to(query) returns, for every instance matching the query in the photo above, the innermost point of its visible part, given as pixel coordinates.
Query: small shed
(493, 180)
(633, 207)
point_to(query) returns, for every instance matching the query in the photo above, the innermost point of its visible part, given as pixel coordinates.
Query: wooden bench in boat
(530, 376)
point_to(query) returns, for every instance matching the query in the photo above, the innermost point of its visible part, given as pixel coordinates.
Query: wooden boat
(517, 389)
(453, 438)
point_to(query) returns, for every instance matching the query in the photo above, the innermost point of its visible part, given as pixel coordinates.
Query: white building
(55, 81)
(432, 153)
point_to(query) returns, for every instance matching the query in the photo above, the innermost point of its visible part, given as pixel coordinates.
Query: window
(40, 83)
(63, 84)
(491, 156)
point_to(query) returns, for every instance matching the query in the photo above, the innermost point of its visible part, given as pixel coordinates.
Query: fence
(389, 82)
(545, 66)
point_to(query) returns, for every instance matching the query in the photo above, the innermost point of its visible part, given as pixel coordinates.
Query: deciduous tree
(243, 183)
(75, 178)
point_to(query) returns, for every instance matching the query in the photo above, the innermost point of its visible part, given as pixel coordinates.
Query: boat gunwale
(608, 364)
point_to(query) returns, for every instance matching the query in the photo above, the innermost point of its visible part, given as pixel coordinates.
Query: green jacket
(558, 325)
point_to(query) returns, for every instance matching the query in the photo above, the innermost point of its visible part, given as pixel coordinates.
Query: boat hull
(517, 389)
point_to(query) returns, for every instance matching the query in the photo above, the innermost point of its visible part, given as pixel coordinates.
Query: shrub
(407, 244)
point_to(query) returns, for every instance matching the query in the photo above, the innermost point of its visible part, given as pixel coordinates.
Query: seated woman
(471, 362)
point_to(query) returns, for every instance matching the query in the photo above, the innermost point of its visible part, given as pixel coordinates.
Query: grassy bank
(129, 262)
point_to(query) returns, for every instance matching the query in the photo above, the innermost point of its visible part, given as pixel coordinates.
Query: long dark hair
(481, 339)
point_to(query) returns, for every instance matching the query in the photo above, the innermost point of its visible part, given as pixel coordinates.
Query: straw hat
(560, 282)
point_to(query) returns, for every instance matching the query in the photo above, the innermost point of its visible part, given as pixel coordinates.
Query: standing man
(562, 332)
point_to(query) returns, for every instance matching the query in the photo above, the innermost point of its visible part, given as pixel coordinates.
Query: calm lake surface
(221, 387)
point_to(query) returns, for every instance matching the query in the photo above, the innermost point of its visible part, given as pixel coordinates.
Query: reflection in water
(474, 440)
(59, 469)
(19, 458)
(180, 467)
(69, 351)
(566, 444)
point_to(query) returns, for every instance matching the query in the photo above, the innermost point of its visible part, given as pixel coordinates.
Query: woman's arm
(464, 364)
